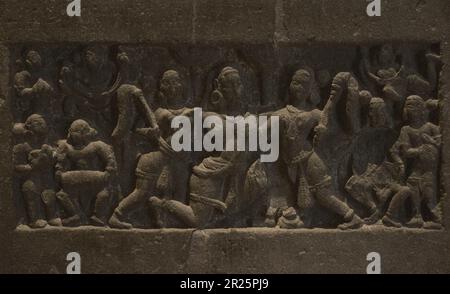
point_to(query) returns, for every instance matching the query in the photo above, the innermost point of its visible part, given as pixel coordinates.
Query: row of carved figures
(372, 150)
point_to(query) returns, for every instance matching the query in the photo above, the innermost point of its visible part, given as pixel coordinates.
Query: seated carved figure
(34, 161)
(87, 174)
(418, 151)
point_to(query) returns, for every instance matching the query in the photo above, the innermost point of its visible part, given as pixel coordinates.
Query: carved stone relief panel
(360, 138)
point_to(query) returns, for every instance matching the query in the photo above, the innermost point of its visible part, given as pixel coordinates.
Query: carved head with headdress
(378, 114)
(228, 90)
(80, 133)
(33, 60)
(171, 89)
(415, 110)
(95, 56)
(303, 90)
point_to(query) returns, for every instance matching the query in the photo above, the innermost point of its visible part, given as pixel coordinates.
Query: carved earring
(216, 100)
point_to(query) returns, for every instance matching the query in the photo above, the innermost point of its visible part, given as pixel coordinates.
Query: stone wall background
(274, 23)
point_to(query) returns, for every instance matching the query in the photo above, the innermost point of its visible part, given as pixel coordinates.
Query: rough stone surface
(267, 30)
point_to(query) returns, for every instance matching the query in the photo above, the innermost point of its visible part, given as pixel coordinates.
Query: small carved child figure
(34, 161)
(86, 170)
(418, 148)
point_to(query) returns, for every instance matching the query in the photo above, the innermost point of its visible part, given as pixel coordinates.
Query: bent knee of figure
(61, 195)
(151, 162)
(29, 187)
(48, 196)
(103, 195)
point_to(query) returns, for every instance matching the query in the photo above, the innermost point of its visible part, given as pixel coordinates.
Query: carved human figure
(284, 180)
(218, 181)
(136, 123)
(89, 83)
(397, 80)
(87, 174)
(34, 162)
(318, 167)
(162, 173)
(35, 95)
(379, 179)
(418, 149)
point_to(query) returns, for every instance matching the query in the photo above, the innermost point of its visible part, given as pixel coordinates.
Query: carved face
(34, 60)
(414, 110)
(36, 124)
(38, 159)
(377, 113)
(386, 55)
(300, 87)
(80, 133)
(172, 88)
(319, 133)
(92, 58)
(231, 86)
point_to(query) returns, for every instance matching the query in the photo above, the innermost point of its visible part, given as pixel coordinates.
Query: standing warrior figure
(164, 172)
(284, 181)
(318, 169)
(34, 161)
(218, 181)
(35, 95)
(418, 149)
(87, 173)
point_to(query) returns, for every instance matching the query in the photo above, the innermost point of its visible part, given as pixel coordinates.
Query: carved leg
(391, 219)
(429, 197)
(361, 190)
(325, 198)
(101, 208)
(179, 210)
(73, 219)
(130, 203)
(49, 199)
(417, 220)
(32, 200)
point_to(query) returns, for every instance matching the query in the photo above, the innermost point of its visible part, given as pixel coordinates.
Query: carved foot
(432, 226)
(95, 221)
(354, 224)
(38, 224)
(373, 219)
(271, 217)
(55, 222)
(415, 222)
(290, 220)
(389, 222)
(114, 222)
(73, 221)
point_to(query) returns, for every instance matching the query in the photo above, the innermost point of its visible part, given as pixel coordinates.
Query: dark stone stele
(85, 131)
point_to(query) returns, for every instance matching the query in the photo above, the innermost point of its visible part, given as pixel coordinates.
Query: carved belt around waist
(208, 201)
(326, 182)
(145, 175)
